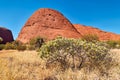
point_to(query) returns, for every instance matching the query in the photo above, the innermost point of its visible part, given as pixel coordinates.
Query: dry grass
(27, 65)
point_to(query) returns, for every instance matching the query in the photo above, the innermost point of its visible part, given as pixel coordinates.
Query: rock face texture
(6, 35)
(49, 24)
(83, 30)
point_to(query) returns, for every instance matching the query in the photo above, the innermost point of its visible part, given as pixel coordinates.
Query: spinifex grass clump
(90, 37)
(113, 44)
(73, 53)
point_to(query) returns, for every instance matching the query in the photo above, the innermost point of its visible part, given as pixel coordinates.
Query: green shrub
(97, 55)
(2, 46)
(113, 44)
(16, 43)
(62, 50)
(9, 46)
(13, 45)
(36, 43)
(21, 47)
(68, 52)
(31, 47)
(90, 37)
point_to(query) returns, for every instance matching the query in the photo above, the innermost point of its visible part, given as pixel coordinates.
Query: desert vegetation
(90, 37)
(34, 44)
(28, 65)
(113, 44)
(60, 59)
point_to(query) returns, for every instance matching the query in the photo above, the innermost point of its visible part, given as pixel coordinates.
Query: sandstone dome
(103, 35)
(6, 35)
(47, 23)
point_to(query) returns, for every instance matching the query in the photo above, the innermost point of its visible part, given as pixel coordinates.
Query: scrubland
(27, 65)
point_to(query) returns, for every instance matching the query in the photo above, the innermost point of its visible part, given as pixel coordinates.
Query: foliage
(74, 52)
(9, 46)
(90, 37)
(62, 50)
(36, 43)
(30, 47)
(113, 44)
(16, 43)
(13, 45)
(97, 55)
(2, 46)
(21, 47)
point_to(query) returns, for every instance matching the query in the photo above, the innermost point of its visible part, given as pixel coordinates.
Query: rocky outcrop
(49, 24)
(103, 35)
(6, 35)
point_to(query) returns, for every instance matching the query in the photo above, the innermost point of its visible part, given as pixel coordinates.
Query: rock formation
(83, 30)
(49, 24)
(6, 35)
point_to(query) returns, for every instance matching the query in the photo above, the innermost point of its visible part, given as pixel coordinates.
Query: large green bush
(72, 53)
(64, 51)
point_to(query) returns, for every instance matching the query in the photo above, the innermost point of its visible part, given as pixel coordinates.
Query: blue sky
(103, 14)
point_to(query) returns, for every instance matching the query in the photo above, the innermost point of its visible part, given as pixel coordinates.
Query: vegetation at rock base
(2, 46)
(9, 46)
(113, 44)
(75, 53)
(95, 61)
(27, 65)
(21, 47)
(90, 37)
(36, 43)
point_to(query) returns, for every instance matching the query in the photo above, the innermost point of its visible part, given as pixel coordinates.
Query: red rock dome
(103, 35)
(47, 23)
(6, 35)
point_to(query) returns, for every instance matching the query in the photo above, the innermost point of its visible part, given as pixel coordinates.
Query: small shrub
(30, 47)
(2, 46)
(16, 43)
(113, 44)
(9, 46)
(36, 43)
(90, 37)
(21, 47)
